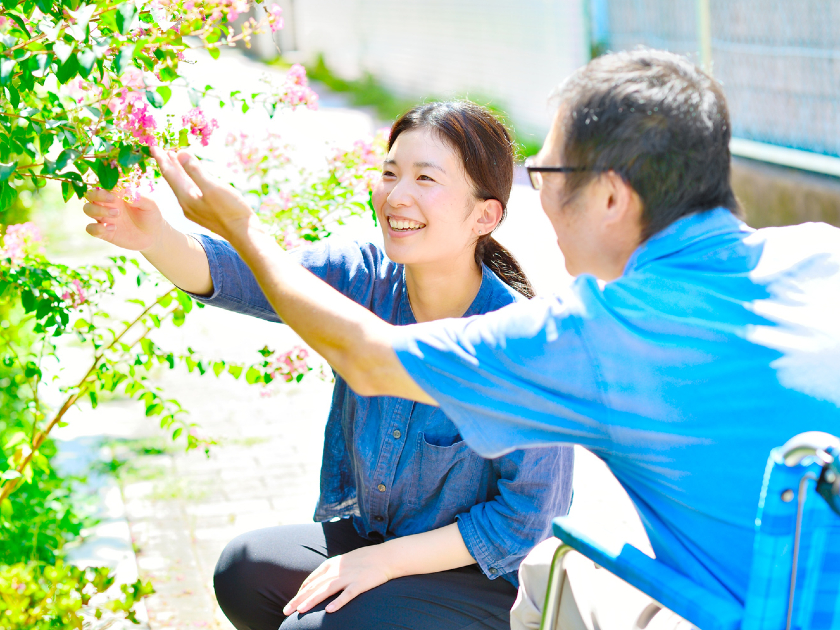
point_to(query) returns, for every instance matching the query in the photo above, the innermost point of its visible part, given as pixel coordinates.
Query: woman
(402, 496)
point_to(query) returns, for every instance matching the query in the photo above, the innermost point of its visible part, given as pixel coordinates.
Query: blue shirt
(717, 344)
(398, 467)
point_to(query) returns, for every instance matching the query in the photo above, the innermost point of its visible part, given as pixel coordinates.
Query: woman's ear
(489, 214)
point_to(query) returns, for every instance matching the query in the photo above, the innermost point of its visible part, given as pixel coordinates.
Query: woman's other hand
(212, 205)
(137, 226)
(352, 573)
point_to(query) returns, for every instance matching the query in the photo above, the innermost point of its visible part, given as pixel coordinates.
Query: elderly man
(688, 347)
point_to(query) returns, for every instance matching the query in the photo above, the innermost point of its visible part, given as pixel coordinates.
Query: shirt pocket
(445, 476)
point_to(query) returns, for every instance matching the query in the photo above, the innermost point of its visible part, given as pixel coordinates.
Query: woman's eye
(387, 174)
(425, 178)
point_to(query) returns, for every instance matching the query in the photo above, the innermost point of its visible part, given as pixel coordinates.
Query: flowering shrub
(83, 84)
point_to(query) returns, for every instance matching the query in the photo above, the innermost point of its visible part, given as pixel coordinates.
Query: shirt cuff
(213, 261)
(475, 545)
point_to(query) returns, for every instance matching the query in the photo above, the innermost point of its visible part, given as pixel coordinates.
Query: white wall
(511, 51)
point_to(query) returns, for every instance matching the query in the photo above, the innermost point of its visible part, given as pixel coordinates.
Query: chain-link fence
(778, 60)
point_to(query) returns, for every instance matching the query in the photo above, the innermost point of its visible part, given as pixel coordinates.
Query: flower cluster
(75, 296)
(295, 90)
(131, 111)
(21, 240)
(359, 167)
(137, 182)
(275, 18)
(198, 124)
(256, 159)
(290, 365)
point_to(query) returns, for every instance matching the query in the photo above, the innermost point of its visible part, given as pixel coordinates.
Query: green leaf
(6, 509)
(7, 66)
(107, 174)
(235, 371)
(6, 170)
(122, 59)
(86, 60)
(252, 375)
(19, 21)
(126, 13)
(214, 52)
(66, 156)
(11, 474)
(68, 69)
(127, 158)
(165, 93)
(195, 97)
(177, 432)
(183, 138)
(62, 51)
(154, 98)
(184, 300)
(66, 191)
(218, 367)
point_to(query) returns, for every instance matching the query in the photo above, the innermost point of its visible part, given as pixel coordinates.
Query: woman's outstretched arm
(355, 342)
(140, 226)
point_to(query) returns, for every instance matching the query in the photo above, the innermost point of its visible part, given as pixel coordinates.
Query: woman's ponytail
(501, 262)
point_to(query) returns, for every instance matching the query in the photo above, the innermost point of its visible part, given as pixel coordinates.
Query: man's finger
(185, 191)
(192, 168)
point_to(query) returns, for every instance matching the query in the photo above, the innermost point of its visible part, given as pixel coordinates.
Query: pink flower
(275, 18)
(296, 75)
(198, 124)
(21, 240)
(75, 297)
(4, 20)
(131, 112)
(292, 364)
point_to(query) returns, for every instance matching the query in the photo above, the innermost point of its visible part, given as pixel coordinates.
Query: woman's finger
(304, 592)
(349, 593)
(102, 197)
(101, 230)
(96, 211)
(185, 191)
(322, 568)
(193, 169)
(328, 589)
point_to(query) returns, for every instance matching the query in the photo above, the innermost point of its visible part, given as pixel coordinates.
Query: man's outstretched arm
(355, 342)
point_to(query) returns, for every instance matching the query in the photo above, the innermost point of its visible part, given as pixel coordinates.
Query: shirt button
(493, 571)
(378, 519)
(397, 434)
(381, 487)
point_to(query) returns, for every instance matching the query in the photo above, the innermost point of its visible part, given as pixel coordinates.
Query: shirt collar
(684, 232)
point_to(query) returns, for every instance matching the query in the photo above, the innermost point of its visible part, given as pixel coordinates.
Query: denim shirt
(398, 467)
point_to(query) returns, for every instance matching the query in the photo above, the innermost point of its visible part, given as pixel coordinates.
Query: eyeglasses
(535, 172)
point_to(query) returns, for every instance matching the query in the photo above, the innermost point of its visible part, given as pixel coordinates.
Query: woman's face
(424, 202)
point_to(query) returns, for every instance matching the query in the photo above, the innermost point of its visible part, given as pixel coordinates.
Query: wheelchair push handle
(824, 448)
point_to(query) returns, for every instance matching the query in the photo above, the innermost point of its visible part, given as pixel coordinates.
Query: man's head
(650, 134)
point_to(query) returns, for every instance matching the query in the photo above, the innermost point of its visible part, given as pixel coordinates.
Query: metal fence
(778, 60)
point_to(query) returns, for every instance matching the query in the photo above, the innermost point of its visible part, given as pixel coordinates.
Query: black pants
(259, 572)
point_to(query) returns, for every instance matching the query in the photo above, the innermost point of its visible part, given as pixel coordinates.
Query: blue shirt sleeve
(495, 375)
(348, 266)
(535, 485)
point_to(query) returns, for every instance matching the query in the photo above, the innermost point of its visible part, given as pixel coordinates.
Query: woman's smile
(403, 226)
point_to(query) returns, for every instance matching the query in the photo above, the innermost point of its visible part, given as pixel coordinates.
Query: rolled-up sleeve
(535, 485)
(348, 266)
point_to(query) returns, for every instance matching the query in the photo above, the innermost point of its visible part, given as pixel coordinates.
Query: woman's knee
(233, 573)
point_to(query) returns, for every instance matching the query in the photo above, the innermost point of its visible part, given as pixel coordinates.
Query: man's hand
(353, 573)
(218, 208)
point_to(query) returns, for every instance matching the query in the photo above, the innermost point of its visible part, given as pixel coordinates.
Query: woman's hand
(212, 205)
(136, 226)
(353, 573)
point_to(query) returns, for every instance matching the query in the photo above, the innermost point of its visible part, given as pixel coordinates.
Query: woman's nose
(400, 195)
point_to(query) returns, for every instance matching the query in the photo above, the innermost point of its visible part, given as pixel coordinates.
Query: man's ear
(490, 213)
(622, 203)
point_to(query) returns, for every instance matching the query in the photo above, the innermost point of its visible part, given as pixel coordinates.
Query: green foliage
(38, 596)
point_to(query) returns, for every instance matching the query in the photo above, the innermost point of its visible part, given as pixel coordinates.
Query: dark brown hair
(659, 122)
(486, 151)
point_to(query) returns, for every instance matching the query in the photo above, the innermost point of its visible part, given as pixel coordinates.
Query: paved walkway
(184, 507)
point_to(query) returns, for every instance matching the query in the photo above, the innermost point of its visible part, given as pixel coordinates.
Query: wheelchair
(794, 581)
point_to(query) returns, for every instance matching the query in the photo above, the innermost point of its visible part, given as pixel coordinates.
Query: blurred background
(778, 61)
